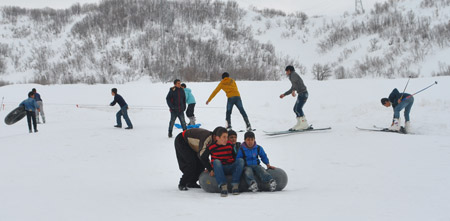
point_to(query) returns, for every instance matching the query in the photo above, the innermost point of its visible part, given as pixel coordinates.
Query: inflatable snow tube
(15, 115)
(209, 183)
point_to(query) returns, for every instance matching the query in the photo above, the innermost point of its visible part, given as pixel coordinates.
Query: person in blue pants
(399, 101)
(123, 110)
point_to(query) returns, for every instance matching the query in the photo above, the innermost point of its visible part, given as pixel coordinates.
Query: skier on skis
(38, 99)
(399, 101)
(190, 100)
(31, 107)
(176, 100)
(299, 86)
(123, 110)
(234, 98)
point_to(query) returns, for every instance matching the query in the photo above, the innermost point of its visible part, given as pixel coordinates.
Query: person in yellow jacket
(234, 98)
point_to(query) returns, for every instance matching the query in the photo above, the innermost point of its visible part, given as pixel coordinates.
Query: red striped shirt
(224, 153)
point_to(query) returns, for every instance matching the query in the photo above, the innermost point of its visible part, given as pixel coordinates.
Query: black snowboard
(15, 115)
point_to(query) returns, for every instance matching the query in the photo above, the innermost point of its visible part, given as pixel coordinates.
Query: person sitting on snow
(399, 101)
(223, 162)
(250, 152)
(232, 137)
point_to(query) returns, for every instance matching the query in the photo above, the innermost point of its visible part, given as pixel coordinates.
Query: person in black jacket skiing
(176, 100)
(123, 110)
(399, 101)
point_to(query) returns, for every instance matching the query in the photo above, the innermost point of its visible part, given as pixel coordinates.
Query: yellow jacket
(229, 86)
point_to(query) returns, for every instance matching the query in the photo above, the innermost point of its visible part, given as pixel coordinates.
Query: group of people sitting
(221, 155)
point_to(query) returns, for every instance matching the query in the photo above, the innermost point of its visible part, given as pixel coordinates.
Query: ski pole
(421, 90)
(409, 78)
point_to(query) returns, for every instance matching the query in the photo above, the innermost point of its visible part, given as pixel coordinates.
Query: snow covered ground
(78, 167)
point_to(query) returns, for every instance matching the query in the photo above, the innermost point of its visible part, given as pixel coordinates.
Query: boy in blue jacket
(31, 106)
(251, 152)
(190, 100)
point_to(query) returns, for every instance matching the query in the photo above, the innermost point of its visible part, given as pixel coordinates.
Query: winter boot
(193, 185)
(128, 128)
(247, 123)
(395, 125)
(192, 120)
(407, 127)
(235, 189)
(118, 126)
(170, 134)
(272, 185)
(253, 186)
(229, 126)
(302, 124)
(182, 187)
(224, 190)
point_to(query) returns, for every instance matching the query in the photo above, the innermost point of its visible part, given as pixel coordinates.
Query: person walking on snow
(190, 100)
(234, 98)
(176, 100)
(299, 86)
(31, 107)
(123, 110)
(399, 101)
(38, 99)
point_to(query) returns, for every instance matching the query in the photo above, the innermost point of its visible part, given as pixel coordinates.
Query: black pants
(31, 115)
(188, 161)
(190, 110)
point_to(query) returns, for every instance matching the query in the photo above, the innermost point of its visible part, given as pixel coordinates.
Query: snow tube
(15, 115)
(209, 183)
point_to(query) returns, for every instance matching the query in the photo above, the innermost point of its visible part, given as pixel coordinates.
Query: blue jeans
(123, 111)
(235, 169)
(249, 170)
(301, 100)
(238, 102)
(173, 117)
(407, 104)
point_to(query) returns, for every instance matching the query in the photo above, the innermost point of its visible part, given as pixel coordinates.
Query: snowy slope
(78, 167)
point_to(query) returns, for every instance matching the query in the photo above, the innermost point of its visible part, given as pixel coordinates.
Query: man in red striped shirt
(223, 162)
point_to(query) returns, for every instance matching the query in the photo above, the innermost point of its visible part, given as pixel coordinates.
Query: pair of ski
(382, 129)
(286, 132)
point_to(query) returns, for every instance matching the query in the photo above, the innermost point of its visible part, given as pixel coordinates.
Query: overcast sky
(310, 7)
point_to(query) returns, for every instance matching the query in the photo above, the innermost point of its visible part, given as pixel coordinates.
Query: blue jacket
(395, 95)
(37, 97)
(250, 155)
(190, 99)
(118, 99)
(30, 104)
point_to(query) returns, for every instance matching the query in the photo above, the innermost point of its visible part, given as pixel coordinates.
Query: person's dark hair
(219, 131)
(232, 132)
(183, 85)
(225, 75)
(176, 80)
(114, 90)
(33, 90)
(31, 93)
(290, 68)
(384, 100)
(249, 135)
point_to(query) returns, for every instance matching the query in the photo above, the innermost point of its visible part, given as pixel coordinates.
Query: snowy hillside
(78, 167)
(122, 41)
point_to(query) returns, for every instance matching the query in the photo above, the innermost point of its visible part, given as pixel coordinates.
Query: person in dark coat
(190, 145)
(123, 110)
(38, 99)
(399, 101)
(176, 100)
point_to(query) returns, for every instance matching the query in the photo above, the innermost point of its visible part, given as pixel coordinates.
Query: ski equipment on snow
(379, 129)
(188, 126)
(285, 132)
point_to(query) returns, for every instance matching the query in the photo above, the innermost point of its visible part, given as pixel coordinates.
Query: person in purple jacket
(123, 110)
(251, 152)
